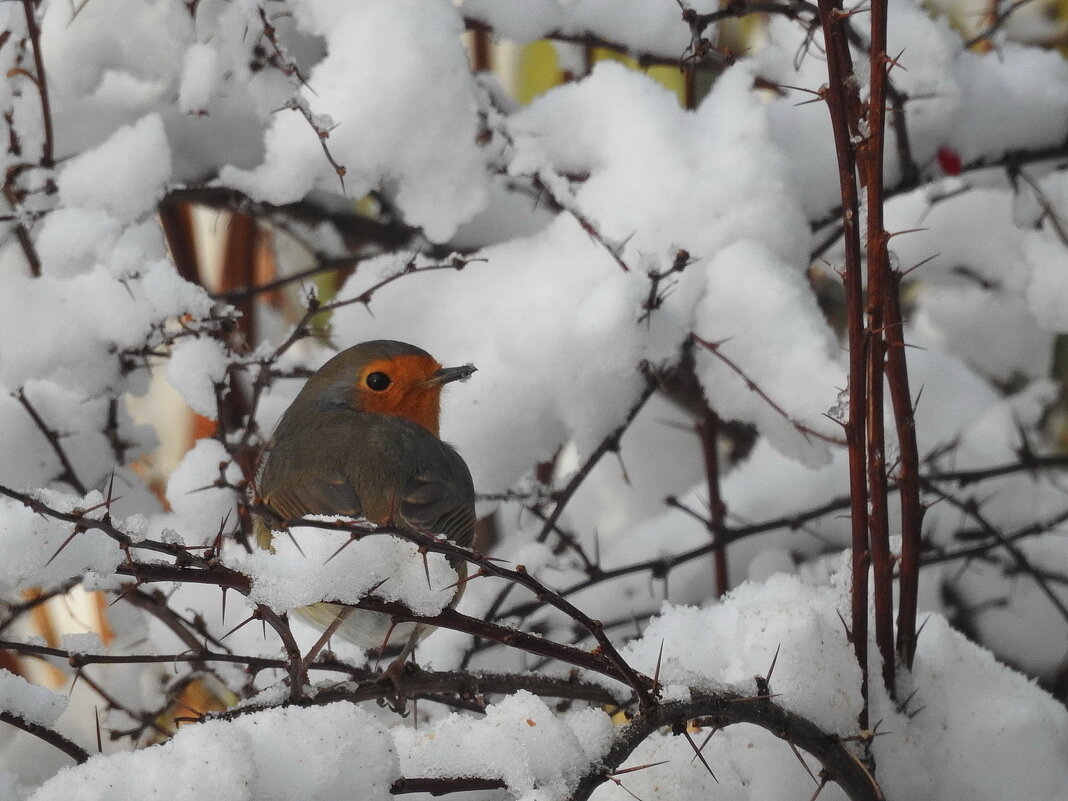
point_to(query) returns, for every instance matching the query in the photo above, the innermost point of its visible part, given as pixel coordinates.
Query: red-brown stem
(908, 480)
(708, 430)
(843, 102)
(880, 283)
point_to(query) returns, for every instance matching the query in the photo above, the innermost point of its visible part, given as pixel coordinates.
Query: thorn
(656, 673)
(920, 629)
(845, 626)
(624, 771)
(352, 538)
(426, 566)
(111, 487)
(222, 620)
(705, 742)
(300, 550)
(385, 642)
(824, 778)
(804, 764)
(77, 530)
(243, 623)
(217, 542)
(126, 591)
(477, 574)
(699, 755)
(771, 669)
(619, 784)
(99, 740)
(905, 231)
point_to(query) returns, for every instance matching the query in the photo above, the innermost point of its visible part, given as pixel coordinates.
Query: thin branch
(715, 348)
(53, 738)
(69, 475)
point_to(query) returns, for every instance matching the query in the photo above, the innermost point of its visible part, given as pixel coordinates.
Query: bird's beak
(448, 374)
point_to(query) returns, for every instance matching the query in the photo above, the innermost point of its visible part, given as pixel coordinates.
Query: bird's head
(385, 377)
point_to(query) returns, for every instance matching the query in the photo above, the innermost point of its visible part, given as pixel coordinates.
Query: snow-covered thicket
(578, 250)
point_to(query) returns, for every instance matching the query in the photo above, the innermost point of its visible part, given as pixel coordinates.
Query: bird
(361, 439)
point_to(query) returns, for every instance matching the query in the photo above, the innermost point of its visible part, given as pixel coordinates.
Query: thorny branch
(466, 690)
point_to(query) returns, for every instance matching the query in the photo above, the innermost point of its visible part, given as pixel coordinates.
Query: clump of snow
(71, 241)
(327, 566)
(196, 368)
(766, 322)
(200, 73)
(972, 728)
(634, 24)
(40, 551)
(193, 494)
(421, 148)
(1047, 292)
(319, 754)
(124, 176)
(538, 754)
(928, 747)
(801, 622)
(31, 702)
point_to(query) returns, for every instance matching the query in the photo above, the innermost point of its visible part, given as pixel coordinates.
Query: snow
(304, 569)
(199, 77)
(43, 552)
(271, 755)
(744, 311)
(422, 147)
(196, 368)
(538, 755)
(602, 225)
(139, 152)
(927, 749)
(192, 492)
(28, 701)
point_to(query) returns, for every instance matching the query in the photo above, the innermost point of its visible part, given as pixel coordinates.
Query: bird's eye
(377, 381)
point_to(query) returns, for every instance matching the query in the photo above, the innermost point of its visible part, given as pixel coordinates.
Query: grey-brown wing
(320, 494)
(440, 498)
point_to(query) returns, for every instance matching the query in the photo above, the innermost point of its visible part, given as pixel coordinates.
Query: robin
(361, 440)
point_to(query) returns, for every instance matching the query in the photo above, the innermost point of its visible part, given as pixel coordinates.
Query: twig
(53, 738)
(52, 436)
(806, 431)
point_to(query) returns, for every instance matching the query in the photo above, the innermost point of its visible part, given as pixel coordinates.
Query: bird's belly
(361, 627)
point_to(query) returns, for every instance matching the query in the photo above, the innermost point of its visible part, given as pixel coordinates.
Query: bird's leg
(395, 671)
(328, 632)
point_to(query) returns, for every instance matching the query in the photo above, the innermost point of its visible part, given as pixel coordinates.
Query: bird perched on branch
(361, 440)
